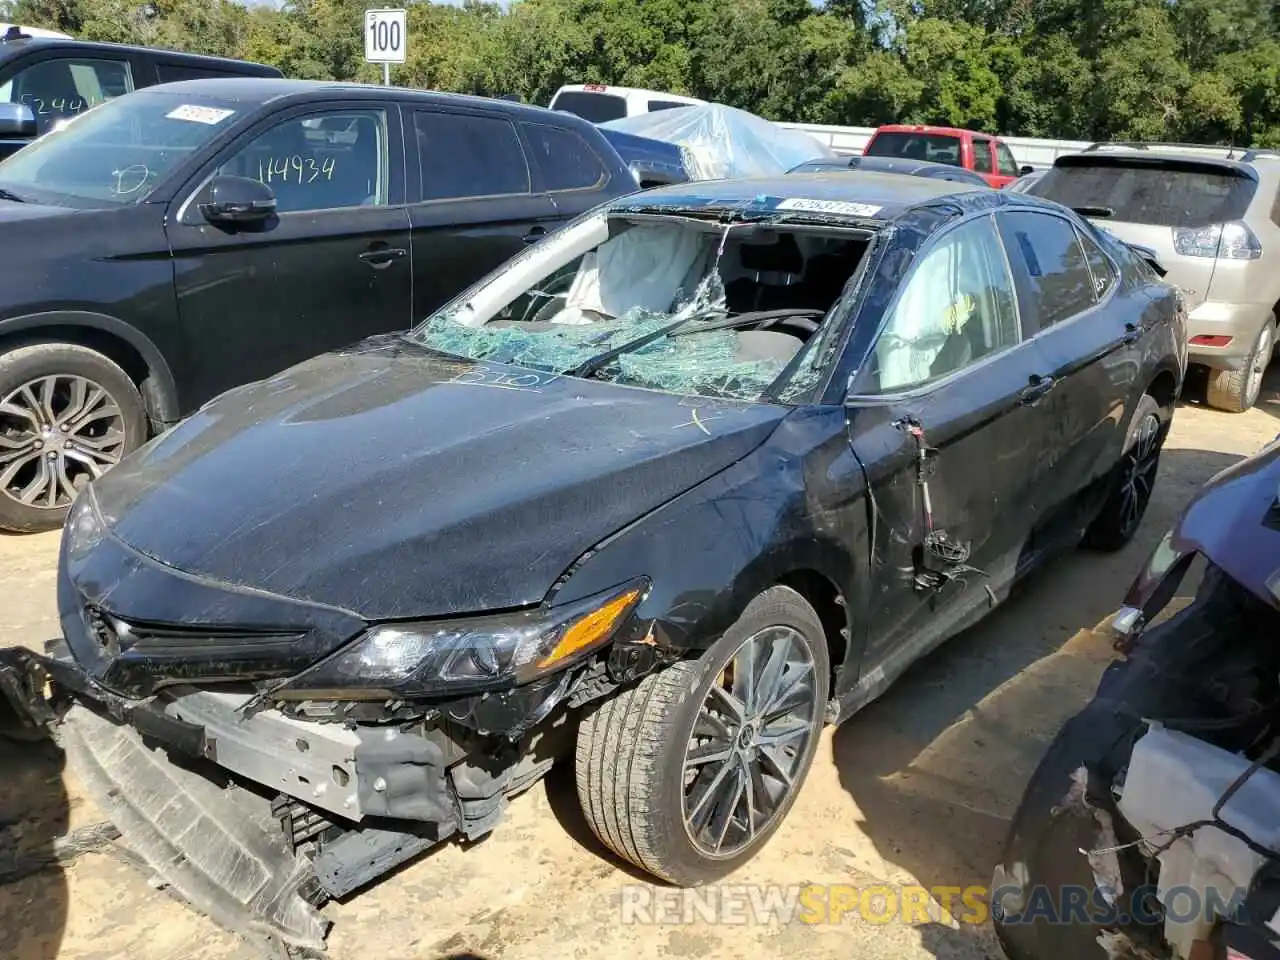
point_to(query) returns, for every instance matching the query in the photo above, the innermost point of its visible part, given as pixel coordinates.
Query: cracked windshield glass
(666, 303)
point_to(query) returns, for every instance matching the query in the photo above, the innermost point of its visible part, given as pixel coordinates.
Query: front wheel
(688, 774)
(67, 415)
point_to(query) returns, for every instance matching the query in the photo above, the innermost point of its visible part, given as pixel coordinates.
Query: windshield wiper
(10, 195)
(601, 360)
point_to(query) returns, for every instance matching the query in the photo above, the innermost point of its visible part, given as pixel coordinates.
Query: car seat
(773, 268)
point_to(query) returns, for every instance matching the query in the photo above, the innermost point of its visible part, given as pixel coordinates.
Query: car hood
(394, 482)
(1235, 522)
(13, 212)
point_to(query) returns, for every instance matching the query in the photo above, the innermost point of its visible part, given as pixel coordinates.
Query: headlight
(84, 528)
(457, 657)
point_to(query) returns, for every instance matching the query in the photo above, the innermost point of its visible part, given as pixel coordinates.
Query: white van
(599, 103)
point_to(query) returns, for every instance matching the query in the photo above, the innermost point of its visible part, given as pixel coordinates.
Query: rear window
(595, 107)
(1159, 193)
(938, 147)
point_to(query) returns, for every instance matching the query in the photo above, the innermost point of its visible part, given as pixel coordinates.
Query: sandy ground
(918, 788)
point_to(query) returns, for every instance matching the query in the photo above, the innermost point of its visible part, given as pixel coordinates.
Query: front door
(332, 267)
(476, 202)
(946, 420)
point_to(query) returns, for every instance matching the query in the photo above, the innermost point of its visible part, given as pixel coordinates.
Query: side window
(1100, 268)
(173, 72)
(981, 156)
(1006, 166)
(655, 105)
(466, 155)
(1054, 278)
(956, 306)
(319, 161)
(566, 160)
(60, 88)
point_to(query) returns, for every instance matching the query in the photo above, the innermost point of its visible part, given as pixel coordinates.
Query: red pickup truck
(985, 155)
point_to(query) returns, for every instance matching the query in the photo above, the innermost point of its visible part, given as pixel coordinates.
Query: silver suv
(1212, 216)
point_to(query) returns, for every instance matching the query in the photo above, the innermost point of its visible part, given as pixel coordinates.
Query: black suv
(190, 237)
(59, 78)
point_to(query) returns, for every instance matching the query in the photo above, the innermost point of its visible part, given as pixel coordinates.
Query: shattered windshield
(669, 303)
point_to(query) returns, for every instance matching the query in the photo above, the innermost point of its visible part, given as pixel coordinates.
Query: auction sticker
(198, 114)
(843, 207)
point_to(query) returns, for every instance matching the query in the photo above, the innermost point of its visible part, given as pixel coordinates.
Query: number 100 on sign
(384, 36)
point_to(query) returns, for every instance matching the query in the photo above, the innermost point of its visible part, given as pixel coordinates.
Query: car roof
(271, 89)
(927, 128)
(12, 48)
(891, 193)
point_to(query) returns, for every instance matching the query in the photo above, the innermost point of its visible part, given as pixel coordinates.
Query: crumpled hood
(393, 482)
(1235, 522)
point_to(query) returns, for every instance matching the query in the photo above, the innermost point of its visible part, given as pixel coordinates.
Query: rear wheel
(67, 415)
(688, 774)
(1237, 390)
(1121, 515)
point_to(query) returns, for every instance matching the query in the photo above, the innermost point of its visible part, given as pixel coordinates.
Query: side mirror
(237, 200)
(1025, 169)
(17, 121)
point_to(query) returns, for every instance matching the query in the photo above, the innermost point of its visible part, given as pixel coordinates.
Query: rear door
(477, 201)
(1067, 290)
(331, 268)
(952, 443)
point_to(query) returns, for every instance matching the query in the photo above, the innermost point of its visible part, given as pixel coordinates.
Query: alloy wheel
(749, 742)
(1139, 472)
(56, 434)
(1258, 365)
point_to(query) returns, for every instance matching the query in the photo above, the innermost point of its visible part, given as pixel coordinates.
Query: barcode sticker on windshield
(198, 114)
(842, 207)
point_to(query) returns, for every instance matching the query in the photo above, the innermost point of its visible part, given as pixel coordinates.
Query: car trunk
(1144, 200)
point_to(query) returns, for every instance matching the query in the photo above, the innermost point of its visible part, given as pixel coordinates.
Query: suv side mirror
(237, 200)
(17, 121)
(1025, 169)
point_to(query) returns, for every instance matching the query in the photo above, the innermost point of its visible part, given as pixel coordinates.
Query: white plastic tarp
(722, 141)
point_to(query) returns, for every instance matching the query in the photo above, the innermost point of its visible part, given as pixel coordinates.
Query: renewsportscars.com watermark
(884, 903)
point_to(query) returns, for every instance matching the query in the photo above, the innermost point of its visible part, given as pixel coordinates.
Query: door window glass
(956, 307)
(566, 160)
(981, 156)
(1006, 166)
(1055, 282)
(465, 155)
(319, 161)
(60, 88)
(1100, 268)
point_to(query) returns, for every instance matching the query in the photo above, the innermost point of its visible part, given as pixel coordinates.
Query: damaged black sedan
(664, 495)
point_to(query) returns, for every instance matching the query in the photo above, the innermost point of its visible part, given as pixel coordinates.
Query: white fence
(1026, 150)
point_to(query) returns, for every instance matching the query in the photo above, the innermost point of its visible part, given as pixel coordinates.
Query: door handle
(534, 235)
(381, 257)
(1132, 332)
(1036, 389)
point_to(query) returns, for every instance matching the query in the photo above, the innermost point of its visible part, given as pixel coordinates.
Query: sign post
(385, 38)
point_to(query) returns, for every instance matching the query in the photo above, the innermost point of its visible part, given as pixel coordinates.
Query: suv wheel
(67, 415)
(1237, 390)
(688, 773)
(1120, 516)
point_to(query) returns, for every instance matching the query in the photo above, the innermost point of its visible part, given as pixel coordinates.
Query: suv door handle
(534, 235)
(1036, 389)
(381, 257)
(1132, 332)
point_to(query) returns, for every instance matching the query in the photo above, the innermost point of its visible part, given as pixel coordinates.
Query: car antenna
(1231, 147)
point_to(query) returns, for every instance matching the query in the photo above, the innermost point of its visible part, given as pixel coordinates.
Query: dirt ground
(918, 788)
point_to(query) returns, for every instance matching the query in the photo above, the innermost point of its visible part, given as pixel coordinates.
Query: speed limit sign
(385, 36)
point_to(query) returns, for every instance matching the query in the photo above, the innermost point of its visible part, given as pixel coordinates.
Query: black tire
(631, 750)
(25, 436)
(1236, 391)
(1119, 519)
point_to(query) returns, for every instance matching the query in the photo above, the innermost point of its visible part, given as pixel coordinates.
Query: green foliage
(1198, 70)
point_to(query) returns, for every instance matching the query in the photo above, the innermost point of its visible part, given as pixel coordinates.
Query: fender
(160, 391)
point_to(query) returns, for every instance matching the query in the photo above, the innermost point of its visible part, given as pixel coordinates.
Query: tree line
(1203, 71)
